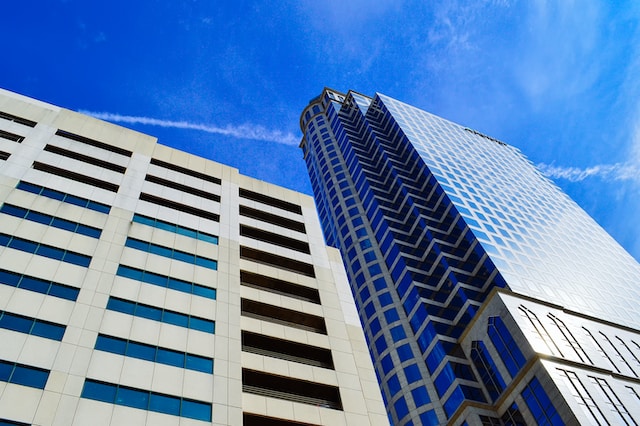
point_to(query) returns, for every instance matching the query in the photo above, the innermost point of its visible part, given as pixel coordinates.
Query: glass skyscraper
(487, 295)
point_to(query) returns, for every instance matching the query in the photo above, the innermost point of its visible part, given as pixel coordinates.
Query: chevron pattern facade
(435, 226)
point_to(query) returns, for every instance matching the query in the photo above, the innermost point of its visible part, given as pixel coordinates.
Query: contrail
(610, 172)
(244, 131)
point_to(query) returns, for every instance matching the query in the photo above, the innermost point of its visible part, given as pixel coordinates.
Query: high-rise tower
(487, 295)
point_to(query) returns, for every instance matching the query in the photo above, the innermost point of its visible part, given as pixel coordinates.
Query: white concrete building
(144, 285)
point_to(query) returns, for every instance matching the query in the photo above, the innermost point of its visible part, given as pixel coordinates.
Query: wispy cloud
(244, 131)
(608, 172)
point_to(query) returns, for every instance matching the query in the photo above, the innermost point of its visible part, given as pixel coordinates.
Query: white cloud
(607, 172)
(244, 131)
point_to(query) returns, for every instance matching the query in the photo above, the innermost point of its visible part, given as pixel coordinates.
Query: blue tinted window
(387, 364)
(505, 345)
(196, 410)
(111, 344)
(164, 281)
(48, 330)
(176, 319)
(487, 369)
(61, 196)
(420, 396)
(120, 305)
(201, 324)
(38, 285)
(132, 397)
(169, 357)
(391, 315)
(30, 325)
(141, 351)
(199, 363)
(398, 333)
(540, 405)
(412, 373)
(44, 250)
(171, 253)
(404, 352)
(401, 408)
(188, 232)
(164, 404)
(149, 312)
(23, 374)
(99, 391)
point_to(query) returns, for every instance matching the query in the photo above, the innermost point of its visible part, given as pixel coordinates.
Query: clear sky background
(227, 80)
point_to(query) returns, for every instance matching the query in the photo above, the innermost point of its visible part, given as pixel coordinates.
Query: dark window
(154, 353)
(33, 326)
(158, 314)
(146, 400)
(93, 142)
(287, 350)
(45, 250)
(183, 188)
(38, 285)
(272, 219)
(249, 419)
(290, 389)
(75, 176)
(541, 407)
(11, 136)
(288, 317)
(277, 286)
(21, 374)
(3, 156)
(270, 237)
(85, 158)
(19, 120)
(270, 201)
(180, 207)
(277, 261)
(53, 221)
(186, 171)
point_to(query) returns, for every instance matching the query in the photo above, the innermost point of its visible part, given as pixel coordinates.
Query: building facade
(488, 297)
(143, 285)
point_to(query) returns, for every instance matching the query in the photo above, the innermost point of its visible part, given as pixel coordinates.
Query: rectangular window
(32, 326)
(151, 353)
(16, 119)
(274, 285)
(11, 136)
(85, 158)
(487, 369)
(505, 345)
(287, 350)
(289, 389)
(183, 188)
(44, 250)
(49, 220)
(171, 253)
(277, 261)
(38, 285)
(186, 171)
(273, 219)
(146, 400)
(168, 282)
(288, 317)
(270, 201)
(178, 229)
(68, 174)
(276, 239)
(540, 406)
(4, 155)
(61, 196)
(93, 142)
(159, 314)
(25, 375)
(180, 207)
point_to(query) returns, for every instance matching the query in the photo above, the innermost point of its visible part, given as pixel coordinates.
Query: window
(487, 369)
(182, 188)
(186, 171)
(32, 326)
(68, 174)
(20, 374)
(582, 395)
(505, 345)
(249, 419)
(49, 220)
(288, 317)
(281, 287)
(146, 400)
(287, 350)
(61, 196)
(38, 285)
(276, 239)
(296, 390)
(542, 410)
(3, 156)
(168, 282)
(171, 253)
(270, 201)
(44, 250)
(277, 261)
(11, 136)
(93, 142)
(162, 315)
(273, 219)
(180, 207)
(16, 119)
(151, 353)
(178, 229)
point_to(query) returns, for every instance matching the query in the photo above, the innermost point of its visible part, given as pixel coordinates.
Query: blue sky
(227, 80)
